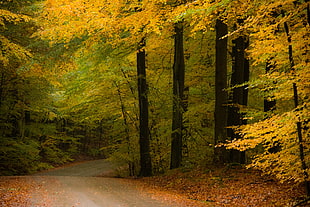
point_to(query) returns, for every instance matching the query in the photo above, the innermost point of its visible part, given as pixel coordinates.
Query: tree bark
(178, 95)
(144, 140)
(240, 75)
(221, 97)
(1, 88)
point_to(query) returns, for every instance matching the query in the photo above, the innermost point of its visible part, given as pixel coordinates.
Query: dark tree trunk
(269, 102)
(270, 106)
(1, 88)
(144, 140)
(308, 12)
(178, 91)
(246, 75)
(298, 124)
(27, 117)
(220, 114)
(185, 132)
(240, 75)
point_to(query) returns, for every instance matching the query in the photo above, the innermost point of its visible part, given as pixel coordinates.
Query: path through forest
(93, 183)
(78, 185)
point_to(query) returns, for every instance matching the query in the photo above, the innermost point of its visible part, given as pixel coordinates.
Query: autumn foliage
(77, 64)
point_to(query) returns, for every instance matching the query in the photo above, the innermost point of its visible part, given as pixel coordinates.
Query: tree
(14, 144)
(221, 96)
(269, 102)
(121, 25)
(26, 106)
(270, 41)
(178, 97)
(296, 104)
(240, 75)
(145, 157)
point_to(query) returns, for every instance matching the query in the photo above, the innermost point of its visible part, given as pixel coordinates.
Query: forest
(156, 85)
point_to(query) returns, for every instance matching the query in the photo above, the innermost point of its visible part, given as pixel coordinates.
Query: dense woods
(156, 85)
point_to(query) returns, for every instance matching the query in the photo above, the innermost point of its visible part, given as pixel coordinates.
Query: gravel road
(78, 186)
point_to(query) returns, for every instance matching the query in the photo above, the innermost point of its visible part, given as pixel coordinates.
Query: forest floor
(236, 187)
(196, 188)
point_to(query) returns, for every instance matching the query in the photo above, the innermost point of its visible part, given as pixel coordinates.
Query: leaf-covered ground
(15, 191)
(196, 188)
(222, 187)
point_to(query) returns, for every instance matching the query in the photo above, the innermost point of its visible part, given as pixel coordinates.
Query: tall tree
(221, 96)
(240, 75)
(178, 96)
(288, 125)
(144, 140)
(296, 104)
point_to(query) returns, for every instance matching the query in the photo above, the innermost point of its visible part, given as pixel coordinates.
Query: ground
(225, 187)
(79, 185)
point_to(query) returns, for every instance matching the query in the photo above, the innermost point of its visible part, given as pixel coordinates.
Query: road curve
(78, 186)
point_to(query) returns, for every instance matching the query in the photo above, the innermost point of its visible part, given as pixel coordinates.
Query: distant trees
(15, 147)
(26, 107)
(127, 31)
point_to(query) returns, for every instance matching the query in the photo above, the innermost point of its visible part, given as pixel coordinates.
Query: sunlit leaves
(7, 16)
(274, 135)
(10, 49)
(109, 31)
(279, 130)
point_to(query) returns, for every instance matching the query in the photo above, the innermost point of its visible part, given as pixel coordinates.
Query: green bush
(18, 157)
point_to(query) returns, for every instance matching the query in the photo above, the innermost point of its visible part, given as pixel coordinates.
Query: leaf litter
(192, 188)
(222, 187)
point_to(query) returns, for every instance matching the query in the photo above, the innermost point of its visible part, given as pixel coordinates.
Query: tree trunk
(178, 95)
(270, 106)
(1, 88)
(144, 140)
(240, 75)
(220, 113)
(131, 165)
(298, 124)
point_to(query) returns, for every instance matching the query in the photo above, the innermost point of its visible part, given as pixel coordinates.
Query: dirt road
(77, 186)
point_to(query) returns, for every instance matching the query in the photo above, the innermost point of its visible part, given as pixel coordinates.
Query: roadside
(15, 191)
